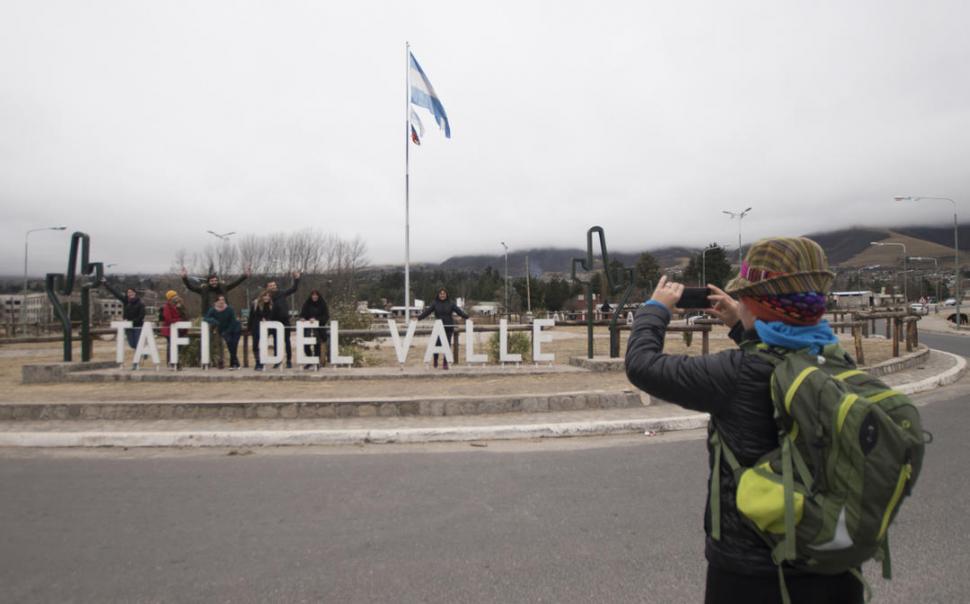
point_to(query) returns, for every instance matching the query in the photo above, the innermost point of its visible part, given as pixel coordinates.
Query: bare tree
(309, 251)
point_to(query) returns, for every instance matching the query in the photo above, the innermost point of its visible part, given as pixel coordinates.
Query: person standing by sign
(224, 318)
(443, 309)
(282, 311)
(315, 309)
(173, 311)
(133, 309)
(208, 292)
(262, 310)
(212, 288)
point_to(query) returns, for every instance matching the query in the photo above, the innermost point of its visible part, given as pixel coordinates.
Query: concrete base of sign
(324, 408)
(58, 372)
(598, 363)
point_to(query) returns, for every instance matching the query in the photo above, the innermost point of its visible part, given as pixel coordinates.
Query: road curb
(945, 378)
(281, 438)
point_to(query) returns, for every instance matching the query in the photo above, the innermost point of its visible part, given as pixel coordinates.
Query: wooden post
(897, 332)
(860, 356)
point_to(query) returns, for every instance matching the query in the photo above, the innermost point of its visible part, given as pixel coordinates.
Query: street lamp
(936, 269)
(506, 277)
(739, 215)
(23, 303)
(223, 236)
(956, 247)
(703, 282)
(902, 245)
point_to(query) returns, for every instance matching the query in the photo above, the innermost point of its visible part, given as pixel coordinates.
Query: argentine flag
(423, 95)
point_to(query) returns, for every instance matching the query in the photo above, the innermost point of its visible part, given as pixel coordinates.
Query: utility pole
(528, 290)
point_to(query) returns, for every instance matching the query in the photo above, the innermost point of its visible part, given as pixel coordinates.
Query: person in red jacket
(173, 311)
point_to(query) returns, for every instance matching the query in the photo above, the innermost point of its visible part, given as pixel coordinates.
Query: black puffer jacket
(131, 310)
(443, 309)
(733, 387)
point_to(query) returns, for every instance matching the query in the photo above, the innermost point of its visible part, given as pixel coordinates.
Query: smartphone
(695, 298)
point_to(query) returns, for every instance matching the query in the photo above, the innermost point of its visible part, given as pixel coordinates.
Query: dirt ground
(567, 342)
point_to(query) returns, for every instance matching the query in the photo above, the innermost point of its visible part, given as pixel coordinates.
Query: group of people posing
(271, 304)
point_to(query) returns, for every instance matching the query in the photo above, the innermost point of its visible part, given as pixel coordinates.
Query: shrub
(518, 343)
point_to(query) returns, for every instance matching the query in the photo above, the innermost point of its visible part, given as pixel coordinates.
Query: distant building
(107, 309)
(847, 300)
(38, 308)
(863, 299)
(416, 307)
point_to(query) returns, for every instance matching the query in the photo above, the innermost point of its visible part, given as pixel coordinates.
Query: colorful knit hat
(783, 265)
(170, 294)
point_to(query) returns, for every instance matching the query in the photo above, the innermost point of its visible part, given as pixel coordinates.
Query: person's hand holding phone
(724, 307)
(668, 293)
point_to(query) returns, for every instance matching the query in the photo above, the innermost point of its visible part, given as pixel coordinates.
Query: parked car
(950, 302)
(920, 309)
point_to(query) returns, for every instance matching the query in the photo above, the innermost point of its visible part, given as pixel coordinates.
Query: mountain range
(846, 248)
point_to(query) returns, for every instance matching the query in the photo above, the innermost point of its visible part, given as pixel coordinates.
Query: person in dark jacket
(208, 292)
(224, 318)
(282, 310)
(132, 309)
(315, 309)
(443, 309)
(212, 288)
(781, 287)
(262, 310)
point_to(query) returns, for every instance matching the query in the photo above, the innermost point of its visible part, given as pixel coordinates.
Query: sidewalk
(937, 323)
(939, 369)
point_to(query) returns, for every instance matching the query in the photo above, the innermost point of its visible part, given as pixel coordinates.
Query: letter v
(401, 348)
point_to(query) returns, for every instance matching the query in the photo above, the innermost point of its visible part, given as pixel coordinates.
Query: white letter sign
(120, 327)
(438, 343)
(146, 344)
(176, 340)
(401, 349)
(303, 340)
(538, 337)
(503, 344)
(264, 329)
(335, 358)
(470, 356)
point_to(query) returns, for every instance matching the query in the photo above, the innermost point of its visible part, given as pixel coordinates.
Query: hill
(555, 260)
(850, 247)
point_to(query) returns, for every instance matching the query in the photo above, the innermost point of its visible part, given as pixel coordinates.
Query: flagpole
(407, 182)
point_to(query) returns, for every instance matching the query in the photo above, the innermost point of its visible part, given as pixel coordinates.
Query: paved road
(584, 520)
(956, 344)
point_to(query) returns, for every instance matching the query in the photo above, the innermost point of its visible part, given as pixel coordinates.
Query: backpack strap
(887, 563)
(720, 451)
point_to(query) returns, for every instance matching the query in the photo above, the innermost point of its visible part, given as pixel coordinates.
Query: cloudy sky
(145, 124)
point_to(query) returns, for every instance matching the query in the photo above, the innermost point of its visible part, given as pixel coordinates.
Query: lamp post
(506, 278)
(902, 245)
(936, 269)
(703, 282)
(23, 303)
(956, 247)
(223, 236)
(739, 215)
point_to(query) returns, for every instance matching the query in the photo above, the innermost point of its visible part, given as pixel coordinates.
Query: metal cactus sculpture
(63, 284)
(619, 279)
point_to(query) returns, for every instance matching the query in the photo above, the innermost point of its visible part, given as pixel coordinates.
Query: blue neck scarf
(796, 337)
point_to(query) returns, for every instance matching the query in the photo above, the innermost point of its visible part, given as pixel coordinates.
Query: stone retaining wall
(388, 407)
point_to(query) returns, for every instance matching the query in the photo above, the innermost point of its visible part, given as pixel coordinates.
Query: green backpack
(850, 449)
